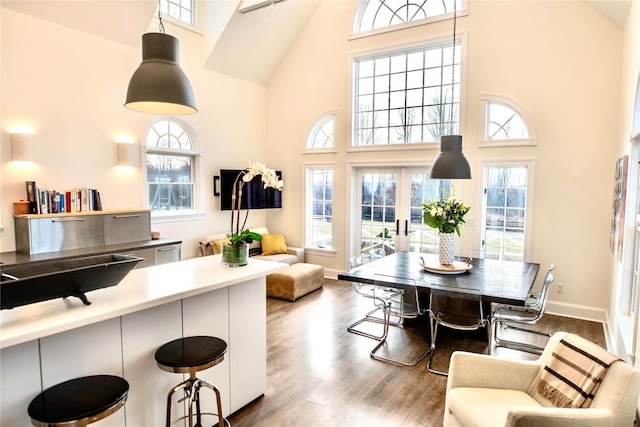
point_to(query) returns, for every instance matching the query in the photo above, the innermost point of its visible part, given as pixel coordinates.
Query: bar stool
(78, 402)
(187, 356)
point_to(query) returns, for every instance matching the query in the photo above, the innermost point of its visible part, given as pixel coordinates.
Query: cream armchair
(489, 391)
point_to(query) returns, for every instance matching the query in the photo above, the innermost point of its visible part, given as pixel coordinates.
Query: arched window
(378, 14)
(504, 123)
(172, 154)
(321, 135)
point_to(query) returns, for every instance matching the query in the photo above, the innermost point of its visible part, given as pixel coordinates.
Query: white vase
(446, 248)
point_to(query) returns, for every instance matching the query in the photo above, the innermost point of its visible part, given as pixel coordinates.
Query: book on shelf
(43, 201)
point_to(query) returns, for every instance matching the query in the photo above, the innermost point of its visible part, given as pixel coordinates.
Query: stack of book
(43, 201)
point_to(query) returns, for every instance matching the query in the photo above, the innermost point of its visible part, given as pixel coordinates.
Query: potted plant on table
(235, 252)
(446, 215)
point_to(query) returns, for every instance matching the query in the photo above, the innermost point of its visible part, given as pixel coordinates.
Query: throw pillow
(273, 244)
(217, 245)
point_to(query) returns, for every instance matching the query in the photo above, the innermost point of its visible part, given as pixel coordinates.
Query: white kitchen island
(49, 342)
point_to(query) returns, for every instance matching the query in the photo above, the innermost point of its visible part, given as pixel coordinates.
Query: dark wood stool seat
(189, 355)
(79, 401)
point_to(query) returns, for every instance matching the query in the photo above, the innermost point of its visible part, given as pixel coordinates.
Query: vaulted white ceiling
(248, 45)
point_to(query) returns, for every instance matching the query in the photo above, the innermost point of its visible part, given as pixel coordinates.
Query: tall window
(505, 212)
(319, 207)
(182, 10)
(377, 14)
(171, 157)
(404, 97)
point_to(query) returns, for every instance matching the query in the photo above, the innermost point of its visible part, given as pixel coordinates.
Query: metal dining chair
(382, 296)
(454, 308)
(406, 308)
(505, 316)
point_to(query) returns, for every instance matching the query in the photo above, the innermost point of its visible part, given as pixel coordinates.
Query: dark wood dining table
(504, 282)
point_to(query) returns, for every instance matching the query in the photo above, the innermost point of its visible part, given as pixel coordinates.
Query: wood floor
(318, 374)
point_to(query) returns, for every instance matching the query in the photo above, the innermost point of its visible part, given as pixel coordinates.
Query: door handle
(406, 227)
(397, 227)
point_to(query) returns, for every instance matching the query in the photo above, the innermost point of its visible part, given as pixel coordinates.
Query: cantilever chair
(382, 296)
(407, 307)
(504, 316)
(454, 308)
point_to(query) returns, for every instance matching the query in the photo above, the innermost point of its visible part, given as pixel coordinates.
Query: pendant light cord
(453, 62)
(160, 17)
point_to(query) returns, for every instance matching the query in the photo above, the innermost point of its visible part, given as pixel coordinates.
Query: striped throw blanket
(573, 375)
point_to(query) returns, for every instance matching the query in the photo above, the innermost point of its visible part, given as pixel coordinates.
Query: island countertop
(140, 289)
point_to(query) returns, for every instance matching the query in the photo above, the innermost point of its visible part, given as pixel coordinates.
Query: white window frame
(197, 155)
(195, 13)
(355, 34)
(461, 38)
(308, 209)
(485, 100)
(628, 324)
(308, 149)
(481, 201)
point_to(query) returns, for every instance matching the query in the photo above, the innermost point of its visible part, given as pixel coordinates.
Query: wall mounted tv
(254, 195)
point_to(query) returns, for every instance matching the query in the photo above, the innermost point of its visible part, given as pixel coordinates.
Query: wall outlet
(560, 288)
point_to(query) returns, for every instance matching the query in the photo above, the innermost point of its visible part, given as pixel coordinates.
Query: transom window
(182, 10)
(377, 14)
(321, 136)
(171, 157)
(405, 97)
(505, 123)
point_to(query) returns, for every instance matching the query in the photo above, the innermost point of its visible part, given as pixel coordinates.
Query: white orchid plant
(445, 214)
(270, 179)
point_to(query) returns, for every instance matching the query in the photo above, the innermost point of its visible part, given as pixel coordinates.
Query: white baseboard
(577, 311)
(332, 274)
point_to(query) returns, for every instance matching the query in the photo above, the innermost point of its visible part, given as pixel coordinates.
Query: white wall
(628, 82)
(68, 87)
(558, 60)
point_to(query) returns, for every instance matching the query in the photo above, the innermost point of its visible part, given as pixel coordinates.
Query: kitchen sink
(23, 284)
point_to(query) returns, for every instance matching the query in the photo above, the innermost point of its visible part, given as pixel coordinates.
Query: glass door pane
(377, 212)
(390, 211)
(422, 238)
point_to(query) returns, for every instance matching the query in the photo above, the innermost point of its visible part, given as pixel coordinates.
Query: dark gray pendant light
(159, 86)
(450, 163)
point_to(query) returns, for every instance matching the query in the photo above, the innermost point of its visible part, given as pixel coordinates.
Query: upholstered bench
(295, 281)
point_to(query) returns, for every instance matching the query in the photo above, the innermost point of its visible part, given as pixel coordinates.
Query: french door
(389, 212)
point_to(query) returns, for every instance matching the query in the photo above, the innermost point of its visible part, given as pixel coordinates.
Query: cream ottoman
(295, 281)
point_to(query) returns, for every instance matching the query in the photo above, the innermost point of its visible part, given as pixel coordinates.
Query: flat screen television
(254, 195)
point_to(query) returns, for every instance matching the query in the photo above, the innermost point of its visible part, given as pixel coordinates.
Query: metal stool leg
(182, 386)
(222, 421)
